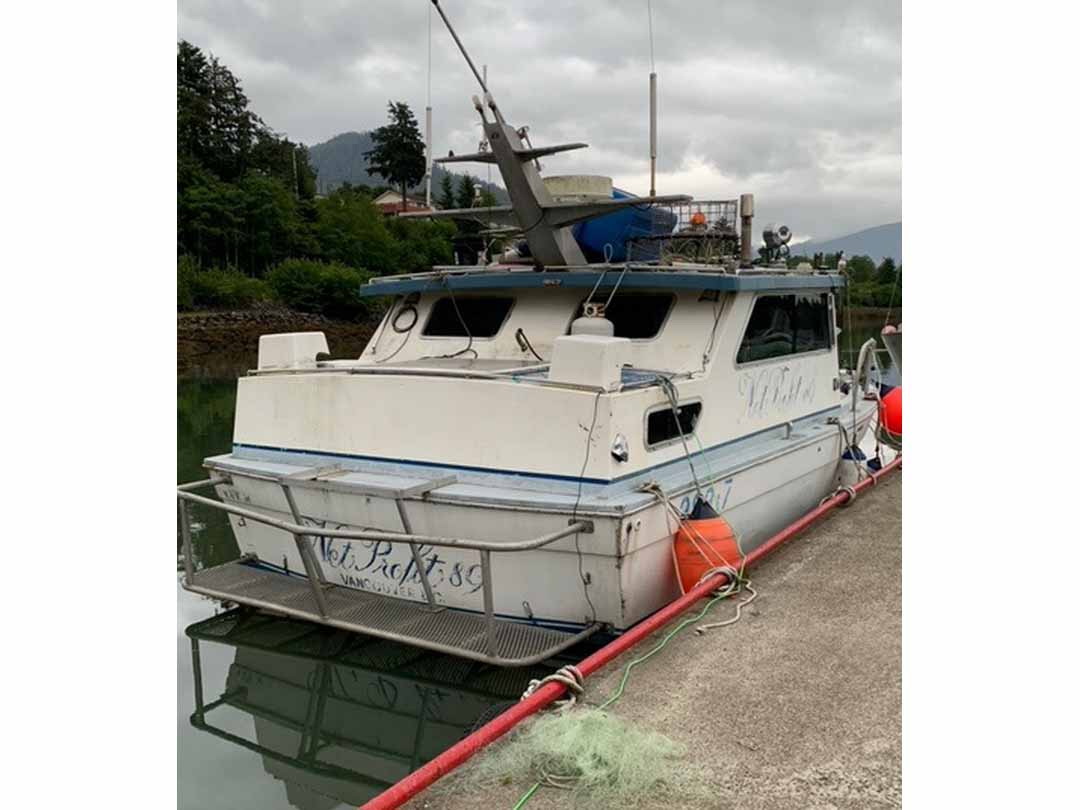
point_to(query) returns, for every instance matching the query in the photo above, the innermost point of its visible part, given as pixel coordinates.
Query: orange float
(704, 541)
(891, 412)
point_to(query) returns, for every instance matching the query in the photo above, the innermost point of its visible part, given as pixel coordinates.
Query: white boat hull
(626, 560)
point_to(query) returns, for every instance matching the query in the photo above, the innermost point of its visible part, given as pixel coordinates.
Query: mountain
(877, 243)
(341, 159)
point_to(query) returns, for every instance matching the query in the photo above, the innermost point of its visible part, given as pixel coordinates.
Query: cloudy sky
(797, 102)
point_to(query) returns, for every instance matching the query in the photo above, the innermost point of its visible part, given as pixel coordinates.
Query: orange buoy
(891, 412)
(702, 544)
(697, 219)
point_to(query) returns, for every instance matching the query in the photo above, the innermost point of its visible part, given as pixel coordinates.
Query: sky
(797, 102)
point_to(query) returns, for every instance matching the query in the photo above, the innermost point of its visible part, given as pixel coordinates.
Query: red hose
(458, 754)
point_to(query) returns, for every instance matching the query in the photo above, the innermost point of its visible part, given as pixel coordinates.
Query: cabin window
(638, 316)
(479, 316)
(782, 325)
(661, 426)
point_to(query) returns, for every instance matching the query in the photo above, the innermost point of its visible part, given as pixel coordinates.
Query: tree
(351, 230)
(466, 194)
(287, 161)
(861, 269)
(398, 155)
(445, 200)
(213, 123)
(886, 272)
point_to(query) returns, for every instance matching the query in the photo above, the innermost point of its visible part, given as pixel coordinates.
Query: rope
(860, 467)
(851, 491)
(701, 628)
(721, 566)
(596, 286)
(717, 310)
(618, 281)
(569, 676)
(668, 387)
(663, 643)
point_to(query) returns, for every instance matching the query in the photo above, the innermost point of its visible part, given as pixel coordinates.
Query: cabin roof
(473, 279)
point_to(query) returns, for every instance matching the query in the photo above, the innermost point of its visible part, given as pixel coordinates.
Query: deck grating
(463, 633)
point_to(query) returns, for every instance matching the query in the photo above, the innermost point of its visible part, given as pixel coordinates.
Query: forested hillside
(249, 224)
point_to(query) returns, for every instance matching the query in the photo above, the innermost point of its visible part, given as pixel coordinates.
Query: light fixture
(620, 448)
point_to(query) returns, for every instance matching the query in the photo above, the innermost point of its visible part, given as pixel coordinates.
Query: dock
(797, 705)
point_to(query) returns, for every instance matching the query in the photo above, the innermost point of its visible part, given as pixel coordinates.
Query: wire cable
(465, 326)
(577, 503)
(523, 341)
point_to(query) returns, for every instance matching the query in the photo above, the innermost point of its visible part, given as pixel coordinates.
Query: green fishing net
(603, 759)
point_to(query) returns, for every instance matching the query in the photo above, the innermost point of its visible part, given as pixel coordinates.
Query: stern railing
(305, 535)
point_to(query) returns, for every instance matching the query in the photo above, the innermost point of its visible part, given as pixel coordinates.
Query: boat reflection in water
(339, 717)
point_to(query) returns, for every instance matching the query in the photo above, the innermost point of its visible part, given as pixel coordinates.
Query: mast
(652, 134)
(427, 122)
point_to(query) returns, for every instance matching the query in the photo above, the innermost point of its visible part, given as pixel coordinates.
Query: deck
(466, 634)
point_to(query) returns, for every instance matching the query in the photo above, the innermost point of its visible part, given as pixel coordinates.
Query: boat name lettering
(378, 559)
(774, 390)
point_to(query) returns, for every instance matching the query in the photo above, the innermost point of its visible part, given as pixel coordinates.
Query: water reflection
(339, 717)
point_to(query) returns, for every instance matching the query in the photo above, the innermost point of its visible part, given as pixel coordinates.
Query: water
(297, 716)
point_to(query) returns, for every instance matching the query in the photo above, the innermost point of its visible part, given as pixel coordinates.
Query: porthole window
(661, 426)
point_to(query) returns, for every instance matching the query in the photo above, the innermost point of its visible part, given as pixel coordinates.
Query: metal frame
(304, 536)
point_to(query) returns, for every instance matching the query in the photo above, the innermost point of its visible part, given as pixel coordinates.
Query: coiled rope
(569, 676)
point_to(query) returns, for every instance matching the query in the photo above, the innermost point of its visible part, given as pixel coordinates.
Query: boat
(501, 472)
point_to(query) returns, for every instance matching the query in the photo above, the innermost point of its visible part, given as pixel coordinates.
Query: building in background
(389, 202)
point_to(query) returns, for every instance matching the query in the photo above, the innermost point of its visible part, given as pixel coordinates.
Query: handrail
(577, 526)
(305, 536)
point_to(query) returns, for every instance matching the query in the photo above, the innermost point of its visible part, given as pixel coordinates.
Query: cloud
(797, 102)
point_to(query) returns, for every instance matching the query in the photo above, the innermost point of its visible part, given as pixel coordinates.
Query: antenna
(652, 109)
(472, 67)
(427, 122)
(489, 165)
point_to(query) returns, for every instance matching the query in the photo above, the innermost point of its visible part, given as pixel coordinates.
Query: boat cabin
(481, 357)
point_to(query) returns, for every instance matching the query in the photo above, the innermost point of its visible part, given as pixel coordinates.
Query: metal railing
(305, 535)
